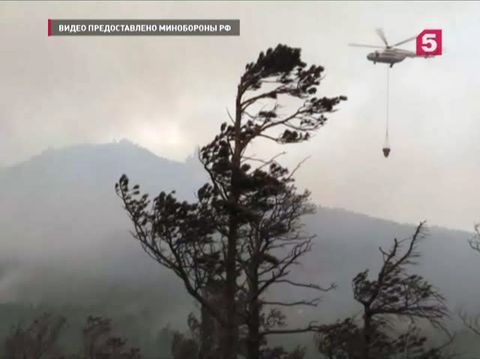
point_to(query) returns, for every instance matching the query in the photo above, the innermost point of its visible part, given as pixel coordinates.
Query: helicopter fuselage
(390, 56)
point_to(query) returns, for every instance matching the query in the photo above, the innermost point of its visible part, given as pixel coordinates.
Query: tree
(203, 242)
(472, 323)
(475, 241)
(36, 341)
(274, 241)
(183, 347)
(39, 340)
(394, 294)
(280, 353)
(100, 343)
(189, 346)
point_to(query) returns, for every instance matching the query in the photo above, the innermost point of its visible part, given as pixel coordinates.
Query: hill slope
(64, 237)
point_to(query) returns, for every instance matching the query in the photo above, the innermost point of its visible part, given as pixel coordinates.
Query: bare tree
(392, 295)
(201, 242)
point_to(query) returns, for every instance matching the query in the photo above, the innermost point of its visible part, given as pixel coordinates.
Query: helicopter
(389, 54)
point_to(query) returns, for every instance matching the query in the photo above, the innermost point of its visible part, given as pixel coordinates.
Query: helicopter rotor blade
(368, 46)
(382, 36)
(404, 41)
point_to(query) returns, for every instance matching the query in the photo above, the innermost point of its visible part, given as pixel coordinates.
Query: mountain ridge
(66, 238)
(125, 146)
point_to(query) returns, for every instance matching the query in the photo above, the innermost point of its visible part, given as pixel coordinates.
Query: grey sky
(169, 94)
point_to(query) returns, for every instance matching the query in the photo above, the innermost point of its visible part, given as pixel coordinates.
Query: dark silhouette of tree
(37, 340)
(99, 342)
(280, 353)
(475, 241)
(189, 346)
(472, 323)
(203, 242)
(393, 295)
(274, 242)
(183, 347)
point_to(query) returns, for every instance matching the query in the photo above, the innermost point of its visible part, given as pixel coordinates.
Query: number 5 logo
(429, 43)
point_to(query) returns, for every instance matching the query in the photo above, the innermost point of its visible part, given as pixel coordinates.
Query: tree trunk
(367, 334)
(254, 308)
(254, 340)
(228, 342)
(208, 327)
(229, 334)
(230, 338)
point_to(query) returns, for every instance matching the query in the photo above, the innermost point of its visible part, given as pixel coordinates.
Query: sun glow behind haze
(166, 137)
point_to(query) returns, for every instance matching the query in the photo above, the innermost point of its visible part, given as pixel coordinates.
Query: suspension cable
(387, 107)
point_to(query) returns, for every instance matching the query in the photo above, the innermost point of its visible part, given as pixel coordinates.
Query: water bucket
(386, 151)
